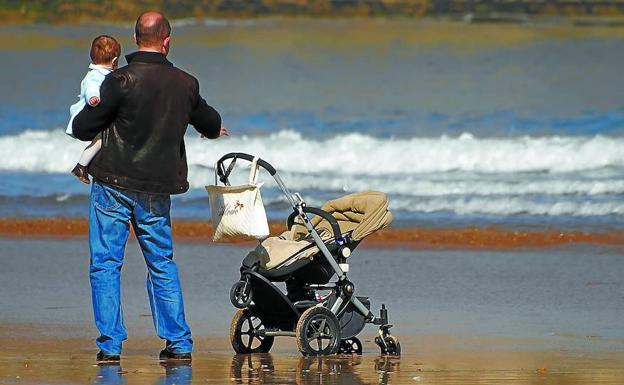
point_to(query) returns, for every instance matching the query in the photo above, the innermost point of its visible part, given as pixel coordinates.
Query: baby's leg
(80, 171)
(89, 153)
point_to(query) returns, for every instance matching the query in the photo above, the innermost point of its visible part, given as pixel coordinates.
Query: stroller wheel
(390, 345)
(350, 346)
(241, 294)
(245, 333)
(318, 332)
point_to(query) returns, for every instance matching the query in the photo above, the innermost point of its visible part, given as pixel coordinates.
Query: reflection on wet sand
(247, 369)
(489, 368)
(435, 365)
(177, 373)
(261, 369)
(109, 375)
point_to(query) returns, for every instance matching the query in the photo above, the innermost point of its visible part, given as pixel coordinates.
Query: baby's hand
(94, 101)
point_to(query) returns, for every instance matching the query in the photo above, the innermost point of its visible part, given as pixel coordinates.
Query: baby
(105, 52)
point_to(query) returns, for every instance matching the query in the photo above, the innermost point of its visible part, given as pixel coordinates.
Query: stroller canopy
(362, 213)
(359, 213)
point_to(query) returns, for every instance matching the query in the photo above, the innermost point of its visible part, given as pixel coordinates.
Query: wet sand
(439, 359)
(547, 316)
(417, 238)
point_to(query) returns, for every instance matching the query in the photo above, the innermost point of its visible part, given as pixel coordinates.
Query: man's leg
(109, 215)
(152, 226)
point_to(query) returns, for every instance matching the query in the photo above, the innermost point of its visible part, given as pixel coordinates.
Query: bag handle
(223, 174)
(253, 173)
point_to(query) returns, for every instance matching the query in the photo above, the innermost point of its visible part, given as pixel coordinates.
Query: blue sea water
(526, 134)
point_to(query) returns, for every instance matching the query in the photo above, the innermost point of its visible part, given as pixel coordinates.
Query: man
(145, 108)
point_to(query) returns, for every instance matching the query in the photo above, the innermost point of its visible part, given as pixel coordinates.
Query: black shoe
(81, 173)
(103, 358)
(168, 355)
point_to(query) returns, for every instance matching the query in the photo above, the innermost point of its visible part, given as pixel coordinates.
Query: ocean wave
(506, 206)
(351, 154)
(464, 175)
(499, 206)
(432, 185)
(496, 206)
(479, 205)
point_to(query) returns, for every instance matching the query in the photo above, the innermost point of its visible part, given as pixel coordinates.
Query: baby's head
(105, 51)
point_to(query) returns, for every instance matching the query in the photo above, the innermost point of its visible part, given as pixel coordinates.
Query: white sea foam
(366, 155)
(351, 154)
(464, 175)
(429, 185)
(483, 205)
(510, 206)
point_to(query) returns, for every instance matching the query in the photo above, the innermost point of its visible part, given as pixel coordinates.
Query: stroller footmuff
(319, 308)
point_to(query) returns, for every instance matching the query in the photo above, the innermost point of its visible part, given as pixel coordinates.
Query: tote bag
(237, 211)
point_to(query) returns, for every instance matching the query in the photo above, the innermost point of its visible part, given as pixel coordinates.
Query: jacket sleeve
(92, 120)
(92, 87)
(204, 118)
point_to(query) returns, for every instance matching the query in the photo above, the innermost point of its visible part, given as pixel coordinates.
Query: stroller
(306, 257)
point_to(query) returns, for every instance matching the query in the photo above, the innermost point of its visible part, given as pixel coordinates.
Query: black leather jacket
(144, 111)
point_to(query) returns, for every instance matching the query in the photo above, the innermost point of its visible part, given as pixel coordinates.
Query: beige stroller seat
(358, 215)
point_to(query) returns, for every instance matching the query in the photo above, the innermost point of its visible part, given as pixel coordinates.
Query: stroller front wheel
(241, 294)
(246, 333)
(318, 332)
(350, 346)
(390, 345)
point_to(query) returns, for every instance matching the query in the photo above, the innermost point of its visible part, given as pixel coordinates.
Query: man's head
(152, 31)
(105, 51)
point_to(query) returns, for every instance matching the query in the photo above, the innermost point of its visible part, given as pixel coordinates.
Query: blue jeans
(111, 213)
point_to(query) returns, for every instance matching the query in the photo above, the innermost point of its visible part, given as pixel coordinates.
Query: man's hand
(222, 132)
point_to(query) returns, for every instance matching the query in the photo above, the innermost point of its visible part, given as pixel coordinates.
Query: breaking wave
(52, 151)
(550, 176)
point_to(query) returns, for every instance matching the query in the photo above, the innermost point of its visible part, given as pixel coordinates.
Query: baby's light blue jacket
(89, 87)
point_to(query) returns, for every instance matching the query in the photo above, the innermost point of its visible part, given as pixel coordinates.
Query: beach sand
(467, 237)
(526, 316)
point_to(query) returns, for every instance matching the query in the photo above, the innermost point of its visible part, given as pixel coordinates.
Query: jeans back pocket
(104, 198)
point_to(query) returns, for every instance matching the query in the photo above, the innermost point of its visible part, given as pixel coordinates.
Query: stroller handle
(241, 155)
(321, 213)
(224, 174)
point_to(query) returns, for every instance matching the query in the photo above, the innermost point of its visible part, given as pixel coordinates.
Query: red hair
(104, 49)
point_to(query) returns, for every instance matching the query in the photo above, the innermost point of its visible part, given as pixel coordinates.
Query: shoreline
(188, 231)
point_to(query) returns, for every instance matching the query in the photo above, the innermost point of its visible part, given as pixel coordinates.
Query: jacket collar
(147, 57)
(100, 68)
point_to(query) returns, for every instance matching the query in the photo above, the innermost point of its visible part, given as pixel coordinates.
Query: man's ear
(115, 62)
(165, 45)
(135, 39)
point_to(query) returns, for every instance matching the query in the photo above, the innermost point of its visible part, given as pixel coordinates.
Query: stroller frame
(330, 309)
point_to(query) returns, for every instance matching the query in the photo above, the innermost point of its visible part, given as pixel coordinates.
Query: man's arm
(92, 120)
(206, 120)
